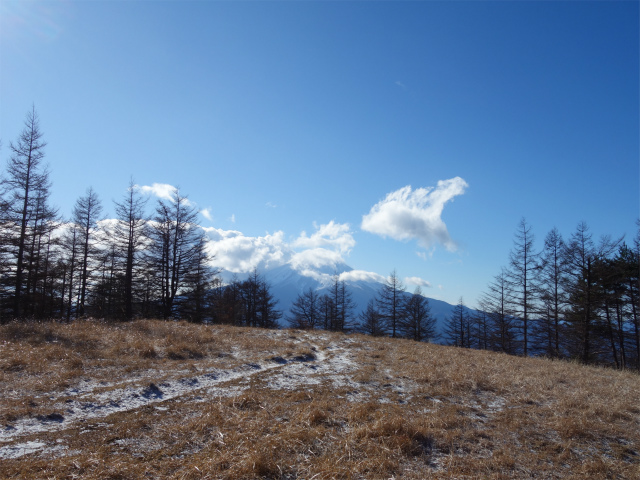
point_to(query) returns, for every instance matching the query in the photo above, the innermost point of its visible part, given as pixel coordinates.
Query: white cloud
(206, 213)
(271, 205)
(357, 275)
(233, 218)
(406, 214)
(320, 254)
(316, 258)
(161, 190)
(237, 253)
(217, 234)
(336, 236)
(417, 281)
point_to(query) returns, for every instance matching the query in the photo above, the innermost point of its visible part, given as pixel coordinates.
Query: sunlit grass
(399, 409)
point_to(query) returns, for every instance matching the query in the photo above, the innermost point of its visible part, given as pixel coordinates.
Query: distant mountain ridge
(287, 283)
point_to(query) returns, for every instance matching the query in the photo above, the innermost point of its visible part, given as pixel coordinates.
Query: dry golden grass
(355, 407)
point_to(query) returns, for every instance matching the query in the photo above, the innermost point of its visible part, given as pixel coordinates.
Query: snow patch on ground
(95, 400)
(18, 450)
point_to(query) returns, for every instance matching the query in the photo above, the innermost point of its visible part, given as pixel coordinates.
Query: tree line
(575, 299)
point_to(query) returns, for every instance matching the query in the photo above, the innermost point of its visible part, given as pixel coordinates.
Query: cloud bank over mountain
(317, 255)
(237, 253)
(408, 214)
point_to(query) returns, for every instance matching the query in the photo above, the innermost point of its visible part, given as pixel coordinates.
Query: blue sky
(406, 135)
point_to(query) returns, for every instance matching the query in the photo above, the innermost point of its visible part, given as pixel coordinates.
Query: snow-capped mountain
(287, 283)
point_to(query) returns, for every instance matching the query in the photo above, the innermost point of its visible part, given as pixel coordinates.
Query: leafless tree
(547, 330)
(584, 288)
(27, 185)
(391, 301)
(130, 235)
(418, 324)
(305, 312)
(496, 302)
(174, 252)
(520, 274)
(337, 307)
(457, 328)
(86, 214)
(371, 321)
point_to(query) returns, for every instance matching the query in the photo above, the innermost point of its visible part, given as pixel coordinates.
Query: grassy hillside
(155, 399)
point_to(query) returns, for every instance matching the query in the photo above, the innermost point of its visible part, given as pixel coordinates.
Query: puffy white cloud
(160, 190)
(417, 281)
(407, 214)
(237, 253)
(316, 256)
(336, 236)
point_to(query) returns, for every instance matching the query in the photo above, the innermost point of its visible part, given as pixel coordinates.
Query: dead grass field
(153, 399)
